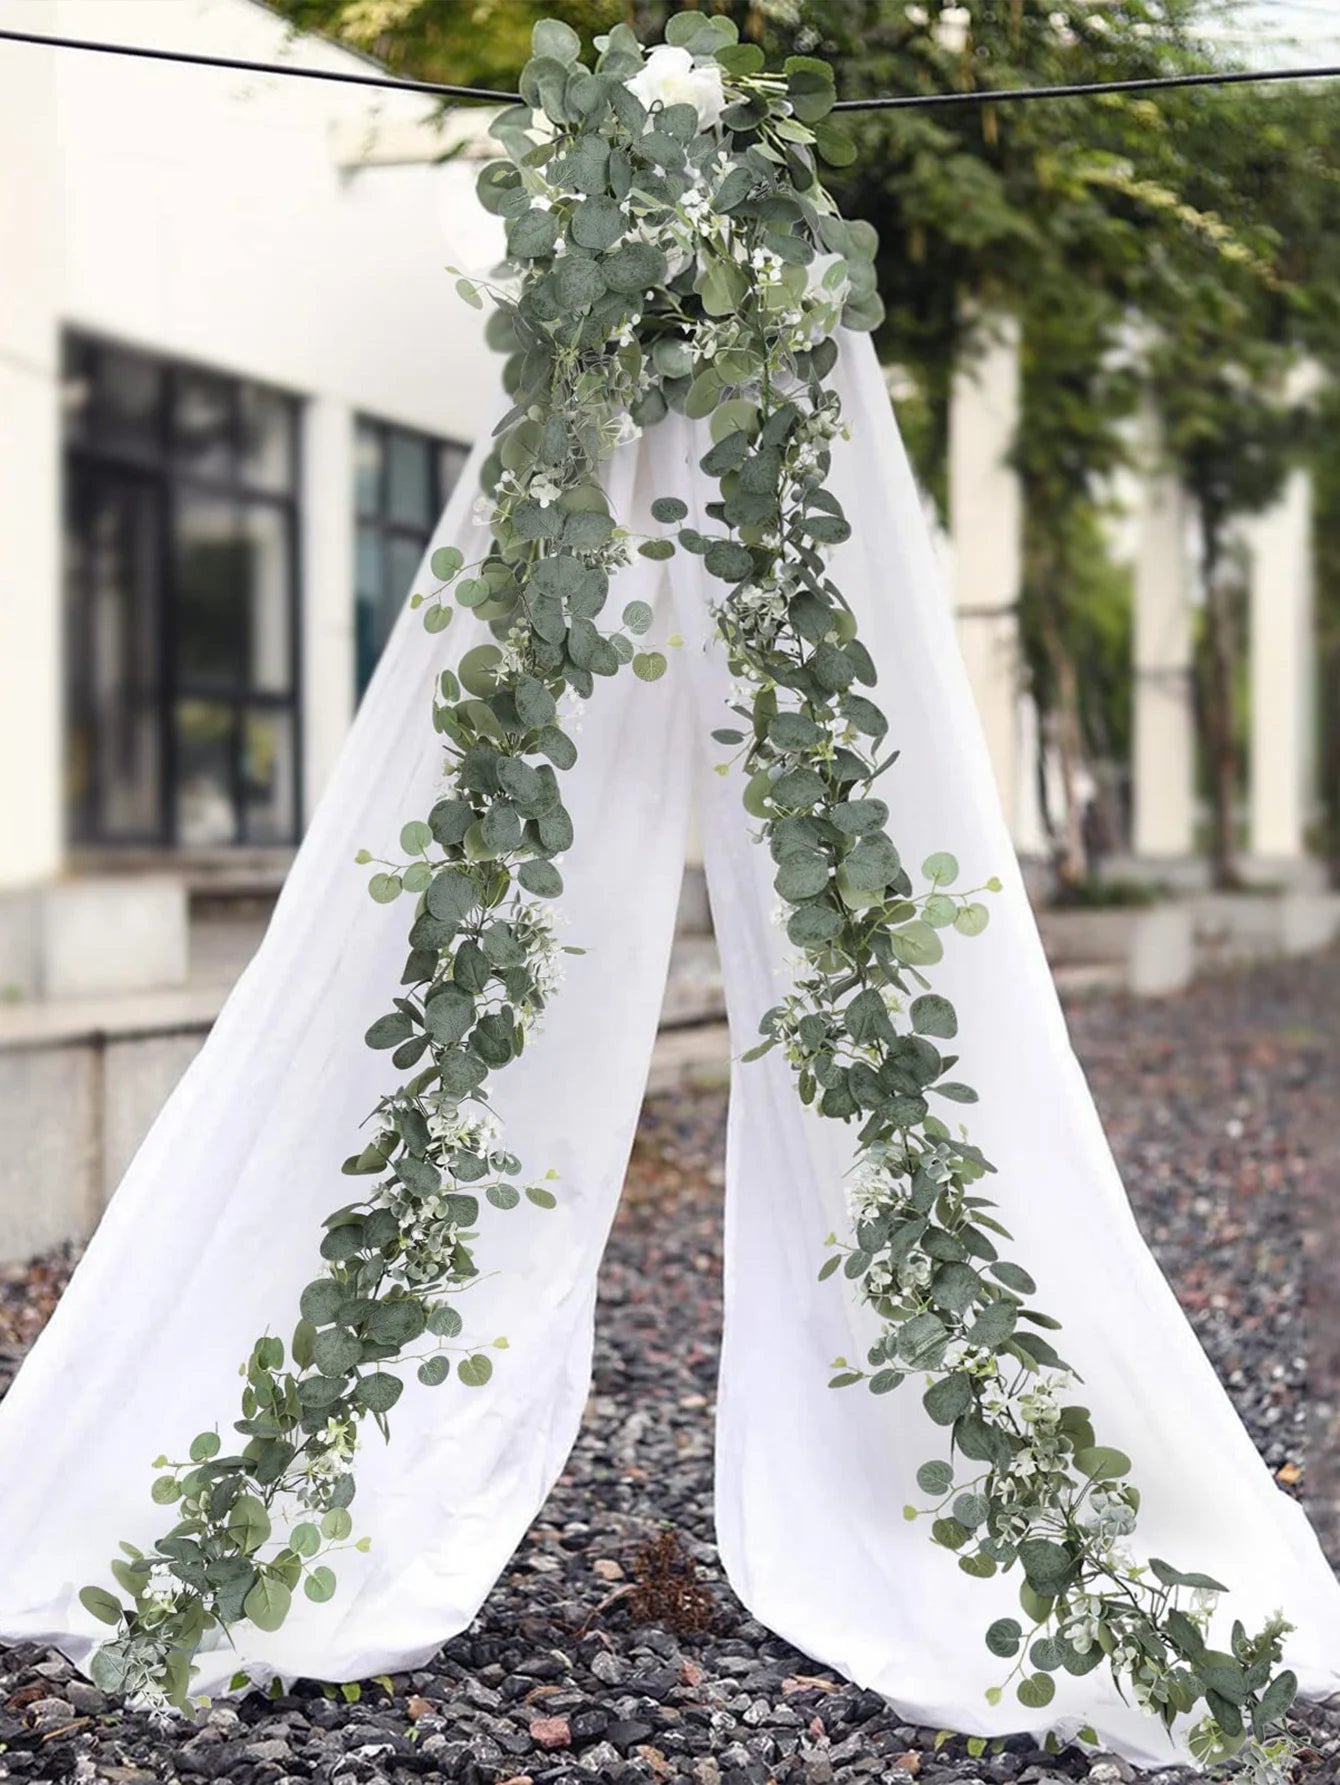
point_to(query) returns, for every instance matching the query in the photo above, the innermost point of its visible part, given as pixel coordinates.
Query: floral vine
(671, 245)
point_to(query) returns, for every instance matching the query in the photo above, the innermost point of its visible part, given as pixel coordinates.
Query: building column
(1283, 666)
(32, 831)
(1163, 769)
(986, 530)
(328, 576)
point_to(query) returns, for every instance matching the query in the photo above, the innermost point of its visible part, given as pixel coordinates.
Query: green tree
(1206, 222)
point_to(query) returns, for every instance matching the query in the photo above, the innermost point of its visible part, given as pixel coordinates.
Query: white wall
(212, 215)
(30, 813)
(986, 529)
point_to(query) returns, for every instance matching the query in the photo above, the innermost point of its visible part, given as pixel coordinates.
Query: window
(401, 481)
(181, 604)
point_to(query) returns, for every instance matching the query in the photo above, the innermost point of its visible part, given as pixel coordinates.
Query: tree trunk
(1072, 856)
(1331, 758)
(1216, 664)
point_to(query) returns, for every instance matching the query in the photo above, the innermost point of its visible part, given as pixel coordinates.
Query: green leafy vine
(671, 246)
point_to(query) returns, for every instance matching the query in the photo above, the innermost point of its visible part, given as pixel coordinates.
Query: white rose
(951, 29)
(669, 77)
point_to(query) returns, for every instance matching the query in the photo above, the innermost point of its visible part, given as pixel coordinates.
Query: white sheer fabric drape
(214, 1230)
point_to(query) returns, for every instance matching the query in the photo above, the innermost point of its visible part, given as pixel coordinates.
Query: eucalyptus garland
(671, 246)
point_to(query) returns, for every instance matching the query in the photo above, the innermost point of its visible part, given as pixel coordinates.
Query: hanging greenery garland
(671, 246)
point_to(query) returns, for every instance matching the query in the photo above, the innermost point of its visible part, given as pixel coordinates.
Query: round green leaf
(321, 1301)
(946, 1399)
(1036, 1691)
(320, 1584)
(477, 670)
(1013, 1276)
(597, 222)
(445, 1321)
(474, 1371)
(935, 1479)
(249, 1527)
(933, 1015)
(104, 1606)
(268, 1602)
(379, 1392)
(1100, 1463)
(541, 878)
(972, 920)
(650, 666)
(972, 1510)
(551, 37)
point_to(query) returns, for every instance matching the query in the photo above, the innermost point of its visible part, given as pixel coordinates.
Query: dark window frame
(389, 530)
(89, 463)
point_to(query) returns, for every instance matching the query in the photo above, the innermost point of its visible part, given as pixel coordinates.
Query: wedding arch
(683, 313)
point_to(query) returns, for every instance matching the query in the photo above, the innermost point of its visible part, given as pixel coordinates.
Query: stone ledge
(40, 1024)
(94, 937)
(1147, 950)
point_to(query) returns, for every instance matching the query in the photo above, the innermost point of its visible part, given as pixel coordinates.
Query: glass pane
(204, 792)
(402, 573)
(267, 777)
(234, 594)
(213, 578)
(267, 439)
(113, 768)
(266, 591)
(127, 413)
(410, 496)
(369, 562)
(77, 384)
(368, 470)
(203, 425)
(450, 463)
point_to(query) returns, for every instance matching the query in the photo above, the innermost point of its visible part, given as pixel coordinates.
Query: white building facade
(236, 384)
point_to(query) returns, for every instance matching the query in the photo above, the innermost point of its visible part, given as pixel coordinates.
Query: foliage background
(1176, 251)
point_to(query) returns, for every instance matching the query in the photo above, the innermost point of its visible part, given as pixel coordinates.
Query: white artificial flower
(626, 430)
(669, 77)
(544, 490)
(951, 29)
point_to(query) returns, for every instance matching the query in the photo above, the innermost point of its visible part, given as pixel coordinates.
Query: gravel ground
(1219, 1104)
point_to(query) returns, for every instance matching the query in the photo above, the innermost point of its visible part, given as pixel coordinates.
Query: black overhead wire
(886, 102)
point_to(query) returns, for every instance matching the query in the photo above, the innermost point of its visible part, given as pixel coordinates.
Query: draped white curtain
(214, 1230)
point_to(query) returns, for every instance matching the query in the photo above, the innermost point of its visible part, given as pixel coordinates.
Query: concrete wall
(73, 1111)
